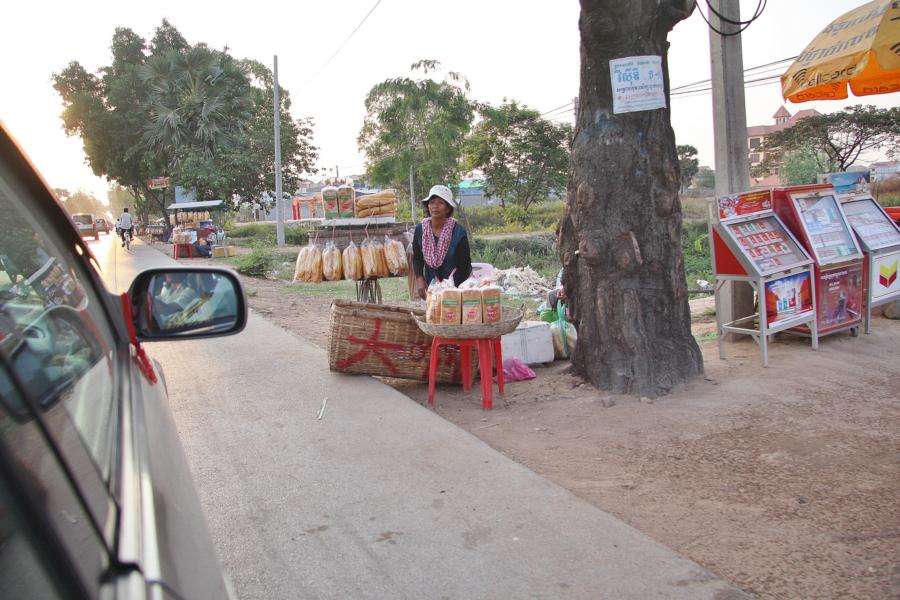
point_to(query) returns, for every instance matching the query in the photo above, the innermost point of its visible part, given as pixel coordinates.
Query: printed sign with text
(637, 83)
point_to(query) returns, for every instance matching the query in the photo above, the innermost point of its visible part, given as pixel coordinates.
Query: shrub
(887, 192)
(260, 260)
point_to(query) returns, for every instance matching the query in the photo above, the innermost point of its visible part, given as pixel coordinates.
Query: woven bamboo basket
(374, 339)
(508, 322)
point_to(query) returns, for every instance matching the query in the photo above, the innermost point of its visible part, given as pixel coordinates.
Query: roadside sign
(159, 183)
(637, 83)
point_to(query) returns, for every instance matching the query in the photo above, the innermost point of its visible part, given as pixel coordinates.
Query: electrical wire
(344, 43)
(760, 7)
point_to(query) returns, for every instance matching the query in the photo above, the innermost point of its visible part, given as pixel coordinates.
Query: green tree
(84, 202)
(524, 157)
(419, 124)
(119, 197)
(169, 108)
(841, 137)
(800, 167)
(705, 178)
(687, 164)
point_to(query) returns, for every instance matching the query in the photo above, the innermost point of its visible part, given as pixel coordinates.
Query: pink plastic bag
(515, 370)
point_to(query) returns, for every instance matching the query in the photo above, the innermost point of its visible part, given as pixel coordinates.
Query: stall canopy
(860, 48)
(204, 205)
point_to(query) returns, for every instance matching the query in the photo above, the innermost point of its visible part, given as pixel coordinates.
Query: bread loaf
(492, 307)
(451, 312)
(471, 306)
(331, 263)
(352, 262)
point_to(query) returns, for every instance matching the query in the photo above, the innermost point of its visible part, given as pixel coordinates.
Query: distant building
(756, 137)
(879, 171)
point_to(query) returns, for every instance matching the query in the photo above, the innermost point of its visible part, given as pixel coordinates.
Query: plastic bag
(308, 267)
(395, 255)
(351, 262)
(515, 370)
(563, 333)
(331, 263)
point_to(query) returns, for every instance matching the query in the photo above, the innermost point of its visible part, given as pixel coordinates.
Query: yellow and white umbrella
(860, 48)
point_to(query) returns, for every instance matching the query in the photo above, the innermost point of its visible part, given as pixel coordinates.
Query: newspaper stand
(879, 237)
(751, 244)
(814, 215)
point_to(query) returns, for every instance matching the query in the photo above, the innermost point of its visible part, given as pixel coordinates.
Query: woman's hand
(421, 287)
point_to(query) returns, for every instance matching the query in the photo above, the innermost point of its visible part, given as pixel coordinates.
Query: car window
(84, 219)
(56, 338)
(49, 546)
(24, 571)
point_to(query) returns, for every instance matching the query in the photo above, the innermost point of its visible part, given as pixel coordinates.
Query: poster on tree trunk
(637, 83)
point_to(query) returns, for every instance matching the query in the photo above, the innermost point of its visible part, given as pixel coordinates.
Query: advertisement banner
(885, 280)
(159, 183)
(788, 297)
(839, 298)
(747, 203)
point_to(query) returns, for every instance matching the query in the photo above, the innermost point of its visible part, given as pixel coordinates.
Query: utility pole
(337, 173)
(279, 201)
(412, 194)
(735, 299)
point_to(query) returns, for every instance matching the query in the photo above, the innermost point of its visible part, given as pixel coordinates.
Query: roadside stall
(195, 230)
(362, 240)
(750, 243)
(879, 237)
(814, 215)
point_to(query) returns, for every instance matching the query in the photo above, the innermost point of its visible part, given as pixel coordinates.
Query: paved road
(381, 498)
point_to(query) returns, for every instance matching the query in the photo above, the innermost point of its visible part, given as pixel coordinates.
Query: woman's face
(438, 208)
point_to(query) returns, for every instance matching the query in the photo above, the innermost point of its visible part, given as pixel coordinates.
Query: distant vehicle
(102, 225)
(86, 224)
(96, 497)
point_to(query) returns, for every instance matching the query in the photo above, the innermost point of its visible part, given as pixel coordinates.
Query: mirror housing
(180, 303)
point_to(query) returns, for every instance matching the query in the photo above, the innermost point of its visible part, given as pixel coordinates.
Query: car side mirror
(186, 303)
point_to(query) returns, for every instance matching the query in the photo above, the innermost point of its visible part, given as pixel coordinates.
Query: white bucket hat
(442, 192)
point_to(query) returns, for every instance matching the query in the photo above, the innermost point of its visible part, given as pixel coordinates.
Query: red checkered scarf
(436, 251)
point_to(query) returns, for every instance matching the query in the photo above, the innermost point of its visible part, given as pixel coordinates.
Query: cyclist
(125, 224)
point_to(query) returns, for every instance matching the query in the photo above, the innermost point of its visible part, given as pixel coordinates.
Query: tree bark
(620, 239)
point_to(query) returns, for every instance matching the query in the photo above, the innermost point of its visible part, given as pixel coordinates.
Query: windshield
(83, 219)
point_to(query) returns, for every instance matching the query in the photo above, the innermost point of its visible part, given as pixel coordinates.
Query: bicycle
(126, 239)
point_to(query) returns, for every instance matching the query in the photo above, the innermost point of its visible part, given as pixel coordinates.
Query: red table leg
(498, 358)
(465, 362)
(432, 369)
(487, 379)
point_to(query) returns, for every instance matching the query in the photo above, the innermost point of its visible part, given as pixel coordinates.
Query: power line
(760, 7)
(344, 43)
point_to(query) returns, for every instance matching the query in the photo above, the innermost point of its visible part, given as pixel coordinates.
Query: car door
(96, 499)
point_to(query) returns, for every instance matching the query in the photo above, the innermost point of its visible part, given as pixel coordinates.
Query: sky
(526, 50)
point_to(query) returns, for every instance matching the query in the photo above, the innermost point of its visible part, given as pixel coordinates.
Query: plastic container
(531, 343)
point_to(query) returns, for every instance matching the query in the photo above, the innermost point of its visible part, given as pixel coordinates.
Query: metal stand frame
(765, 331)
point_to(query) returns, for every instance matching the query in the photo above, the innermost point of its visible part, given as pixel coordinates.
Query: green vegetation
(260, 260)
(887, 192)
(542, 217)
(246, 233)
(695, 248)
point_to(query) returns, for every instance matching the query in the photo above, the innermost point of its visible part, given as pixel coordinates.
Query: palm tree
(198, 102)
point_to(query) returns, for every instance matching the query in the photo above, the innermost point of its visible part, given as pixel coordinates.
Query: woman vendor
(440, 244)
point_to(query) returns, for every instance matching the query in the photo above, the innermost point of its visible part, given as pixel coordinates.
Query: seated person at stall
(440, 244)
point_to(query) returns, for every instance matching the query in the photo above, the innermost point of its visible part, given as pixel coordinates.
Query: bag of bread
(381, 268)
(451, 306)
(471, 305)
(491, 305)
(330, 198)
(346, 196)
(332, 268)
(298, 266)
(352, 262)
(395, 255)
(368, 260)
(312, 272)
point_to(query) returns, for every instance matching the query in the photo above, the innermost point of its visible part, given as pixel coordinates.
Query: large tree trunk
(620, 240)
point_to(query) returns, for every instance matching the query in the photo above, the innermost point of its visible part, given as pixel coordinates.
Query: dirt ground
(783, 480)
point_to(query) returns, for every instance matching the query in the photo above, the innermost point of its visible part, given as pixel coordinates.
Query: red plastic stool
(487, 349)
(189, 247)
